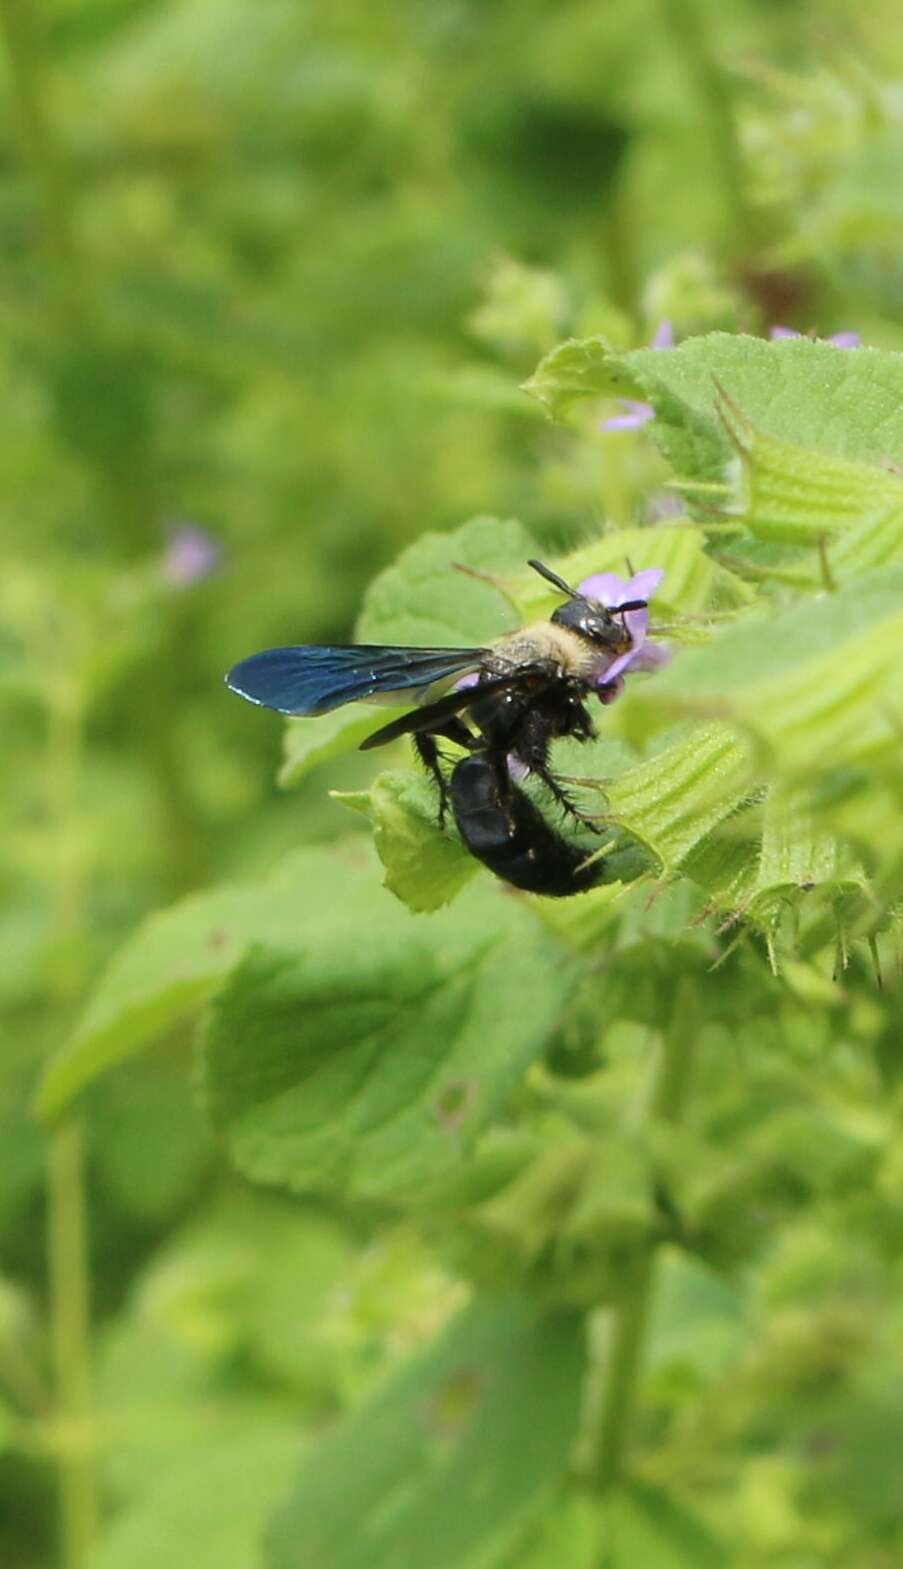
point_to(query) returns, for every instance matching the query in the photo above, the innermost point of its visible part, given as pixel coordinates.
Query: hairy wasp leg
(584, 781)
(589, 820)
(429, 754)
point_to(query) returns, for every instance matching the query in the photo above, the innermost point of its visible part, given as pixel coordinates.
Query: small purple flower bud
(609, 691)
(191, 555)
(663, 337)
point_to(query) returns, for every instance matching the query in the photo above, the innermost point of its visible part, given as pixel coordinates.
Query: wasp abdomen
(503, 828)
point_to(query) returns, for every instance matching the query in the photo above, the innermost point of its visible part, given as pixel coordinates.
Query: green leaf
(581, 368)
(793, 495)
(209, 1514)
(309, 742)
(795, 853)
(425, 868)
(812, 686)
(424, 601)
(673, 801)
(369, 1057)
(452, 1460)
(177, 959)
(644, 1526)
(633, 1527)
(697, 1320)
(568, 1536)
(845, 403)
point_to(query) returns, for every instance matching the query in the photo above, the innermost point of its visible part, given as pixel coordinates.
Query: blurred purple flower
(613, 591)
(841, 340)
(637, 414)
(634, 415)
(191, 555)
(663, 505)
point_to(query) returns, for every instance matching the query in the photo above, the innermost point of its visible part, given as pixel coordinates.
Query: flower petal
(840, 340)
(617, 667)
(643, 584)
(635, 414)
(652, 656)
(606, 587)
(637, 622)
(191, 555)
(663, 337)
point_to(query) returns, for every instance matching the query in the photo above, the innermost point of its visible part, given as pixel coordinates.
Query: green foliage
(806, 393)
(468, 1443)
(213, 1511)
(380, 1050)
(178, 959)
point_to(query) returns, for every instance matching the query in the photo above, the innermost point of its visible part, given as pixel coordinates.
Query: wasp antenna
(552, 577)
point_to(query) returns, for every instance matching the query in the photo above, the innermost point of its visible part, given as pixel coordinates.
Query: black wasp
(525, 690)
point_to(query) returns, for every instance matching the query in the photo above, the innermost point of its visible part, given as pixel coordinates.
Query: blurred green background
(270, 275)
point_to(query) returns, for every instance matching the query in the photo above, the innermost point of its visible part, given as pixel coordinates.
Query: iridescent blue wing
(313, 678)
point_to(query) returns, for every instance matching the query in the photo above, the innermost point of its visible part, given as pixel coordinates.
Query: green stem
(67, 1253)
(622, 1377)
(685, 24)
(625, 1350)
(69, 1320)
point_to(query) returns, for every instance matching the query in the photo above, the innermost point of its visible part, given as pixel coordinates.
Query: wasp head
(594, 622)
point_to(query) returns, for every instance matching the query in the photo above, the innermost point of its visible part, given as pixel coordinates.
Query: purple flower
(663, 336)
(841, 340)
(612, 591)
(191, 555)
